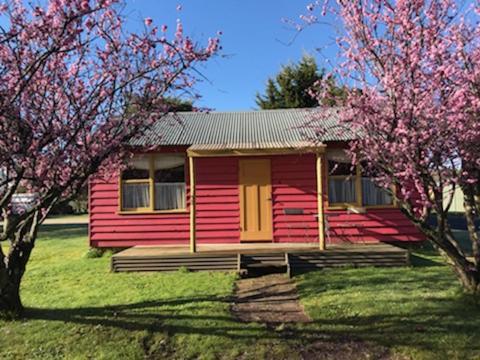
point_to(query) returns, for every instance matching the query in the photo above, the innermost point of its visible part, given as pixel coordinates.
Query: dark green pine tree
(179, 104)
(290, 87)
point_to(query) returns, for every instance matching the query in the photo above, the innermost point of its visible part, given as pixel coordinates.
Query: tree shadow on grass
(420, 261)
(371, 280)
(187, 315)
(62, 231)
(423, 309)
(428, 320)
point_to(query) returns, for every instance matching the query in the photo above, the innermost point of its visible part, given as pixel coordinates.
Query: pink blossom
(85, 5)
(65, 121)
(412, 97)
(148, 21)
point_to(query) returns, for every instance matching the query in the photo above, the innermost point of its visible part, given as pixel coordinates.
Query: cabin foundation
(295, 259)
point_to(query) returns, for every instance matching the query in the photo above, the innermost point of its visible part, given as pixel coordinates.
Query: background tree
(171, 103)
(179, 104)
(291, 87)
(68, 74)
(416, 65)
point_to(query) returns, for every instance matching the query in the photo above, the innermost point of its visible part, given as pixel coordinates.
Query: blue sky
(254, 42)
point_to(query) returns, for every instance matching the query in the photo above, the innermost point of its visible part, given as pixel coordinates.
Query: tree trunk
(442, 237)
(470, 215)
(10, 303)
(11, 274)
(470, 279)
(466, 271)
(473, 286)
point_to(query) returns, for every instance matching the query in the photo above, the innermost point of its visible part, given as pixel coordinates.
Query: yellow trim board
(321, 225)
(254, 152)
(191, 171)
(146, 211)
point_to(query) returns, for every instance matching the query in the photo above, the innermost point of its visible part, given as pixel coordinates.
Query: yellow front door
(255, 200)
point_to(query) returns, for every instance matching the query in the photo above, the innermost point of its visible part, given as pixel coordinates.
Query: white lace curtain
(169, 196)
(373, 195)
(135, 196)
(341, 190)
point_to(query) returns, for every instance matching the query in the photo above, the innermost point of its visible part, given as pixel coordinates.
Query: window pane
(135, 196)
(340, 168)
(138, 168)
(169, 196)
(168, 161)
(374, 195)
(173, 175)
(169, 178)
(342, 190)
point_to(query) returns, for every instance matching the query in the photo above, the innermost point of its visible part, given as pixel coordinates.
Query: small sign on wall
(293, 211)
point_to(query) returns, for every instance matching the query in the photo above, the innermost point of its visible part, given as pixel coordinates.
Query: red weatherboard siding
(217, 210)
(217, 204)
(294, 185)
(110, 229)
(376, 225)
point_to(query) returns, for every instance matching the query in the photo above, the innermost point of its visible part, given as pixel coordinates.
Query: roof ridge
(258, 111)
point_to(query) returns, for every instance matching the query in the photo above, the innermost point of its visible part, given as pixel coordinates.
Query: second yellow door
(255, 200)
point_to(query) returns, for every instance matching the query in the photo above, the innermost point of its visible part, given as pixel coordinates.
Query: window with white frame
(154, 182)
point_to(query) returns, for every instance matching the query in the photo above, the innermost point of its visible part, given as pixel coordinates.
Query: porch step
(274, 262)
(274, 258)
(227, 262)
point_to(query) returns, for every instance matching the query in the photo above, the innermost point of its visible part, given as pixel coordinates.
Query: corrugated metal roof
(249, 129)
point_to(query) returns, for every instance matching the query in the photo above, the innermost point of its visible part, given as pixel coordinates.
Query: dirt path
(271, 299)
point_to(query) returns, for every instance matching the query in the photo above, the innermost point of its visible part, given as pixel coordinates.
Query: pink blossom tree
(75, 87)
(413, 67)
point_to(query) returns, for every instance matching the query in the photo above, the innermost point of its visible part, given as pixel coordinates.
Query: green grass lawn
(418, 312)
(67, 219)
(78, 309)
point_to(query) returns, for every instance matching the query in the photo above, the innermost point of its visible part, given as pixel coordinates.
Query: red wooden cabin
(242, 177)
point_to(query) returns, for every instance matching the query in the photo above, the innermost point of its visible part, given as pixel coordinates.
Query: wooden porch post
(321, 228)
(191, 168)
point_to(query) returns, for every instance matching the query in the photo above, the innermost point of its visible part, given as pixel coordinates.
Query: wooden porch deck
(239, 257)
